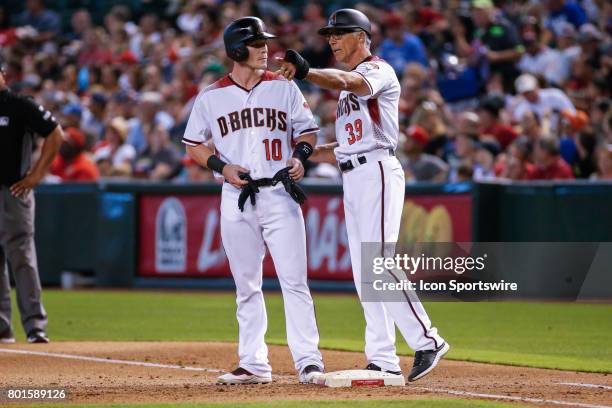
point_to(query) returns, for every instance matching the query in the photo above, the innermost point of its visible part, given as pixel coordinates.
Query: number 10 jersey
(252, 128)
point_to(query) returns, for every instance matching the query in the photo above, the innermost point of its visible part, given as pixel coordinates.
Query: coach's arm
(330, 78)
(327, 78)
(324, 153)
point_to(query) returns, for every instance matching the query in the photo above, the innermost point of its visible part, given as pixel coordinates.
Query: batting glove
(301, 65)
(248, 191)
(291, 187)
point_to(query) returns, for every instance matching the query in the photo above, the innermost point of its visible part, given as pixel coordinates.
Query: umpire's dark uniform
(20, 118)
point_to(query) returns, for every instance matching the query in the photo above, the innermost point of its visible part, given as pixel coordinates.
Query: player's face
(258, 54)
(343, 44)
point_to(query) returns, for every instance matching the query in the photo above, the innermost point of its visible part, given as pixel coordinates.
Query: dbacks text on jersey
(252, 117)
(347, 104)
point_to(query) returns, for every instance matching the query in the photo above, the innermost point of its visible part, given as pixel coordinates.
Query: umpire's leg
(5, 289)
(17, 239)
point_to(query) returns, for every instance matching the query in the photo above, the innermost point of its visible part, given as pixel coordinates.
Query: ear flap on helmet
(239, 52)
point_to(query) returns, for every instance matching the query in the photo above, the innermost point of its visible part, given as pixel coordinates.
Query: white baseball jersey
(253, 129)
(366, 123)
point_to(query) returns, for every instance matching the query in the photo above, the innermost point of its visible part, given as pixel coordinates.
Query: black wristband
(215, 163)
(302, 151)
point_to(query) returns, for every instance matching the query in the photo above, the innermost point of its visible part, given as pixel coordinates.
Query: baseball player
(373, 180)
(263, 131)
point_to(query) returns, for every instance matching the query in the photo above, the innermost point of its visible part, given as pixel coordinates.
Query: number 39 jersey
(366, 123)
(254, 129)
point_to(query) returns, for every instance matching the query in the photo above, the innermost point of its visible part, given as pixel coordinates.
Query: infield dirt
(106, 382)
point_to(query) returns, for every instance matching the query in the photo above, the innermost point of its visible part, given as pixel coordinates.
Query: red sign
(180, 235)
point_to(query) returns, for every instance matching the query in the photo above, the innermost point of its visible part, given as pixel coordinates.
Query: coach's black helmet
(239, 33)
(346, 21)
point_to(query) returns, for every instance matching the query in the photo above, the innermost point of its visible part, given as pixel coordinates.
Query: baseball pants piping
(373, 202)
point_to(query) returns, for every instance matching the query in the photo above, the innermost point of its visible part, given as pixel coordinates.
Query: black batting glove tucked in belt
(301, 65)
(291, 187)
(248, 191)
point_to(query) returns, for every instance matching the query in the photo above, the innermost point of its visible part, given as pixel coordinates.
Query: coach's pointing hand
(232, 172)
(293, 65)
(286, 69)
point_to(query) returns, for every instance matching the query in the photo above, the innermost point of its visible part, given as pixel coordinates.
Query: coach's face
(258, 54)
(343, 44)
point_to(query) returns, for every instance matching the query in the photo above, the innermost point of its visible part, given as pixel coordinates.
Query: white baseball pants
(373, 202)
(276, 221)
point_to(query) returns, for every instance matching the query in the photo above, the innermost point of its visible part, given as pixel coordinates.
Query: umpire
(20, 118)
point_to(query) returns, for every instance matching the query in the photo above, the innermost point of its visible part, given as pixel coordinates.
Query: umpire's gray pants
(17, 246)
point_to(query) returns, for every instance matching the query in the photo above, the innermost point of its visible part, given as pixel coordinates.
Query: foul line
(512, 398)
(109, 360)
(603, 387)
(212, 370)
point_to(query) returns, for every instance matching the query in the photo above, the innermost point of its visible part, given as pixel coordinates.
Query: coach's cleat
(374, 367)
(37, 336)
(310, 373)
(7, 337)
(426, 360)
(242, 376)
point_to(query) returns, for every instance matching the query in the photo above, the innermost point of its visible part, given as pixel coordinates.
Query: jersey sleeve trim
(367, 82)
(311, 130)
(192, 143)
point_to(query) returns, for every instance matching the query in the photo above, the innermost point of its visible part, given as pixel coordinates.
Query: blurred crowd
(516, 90)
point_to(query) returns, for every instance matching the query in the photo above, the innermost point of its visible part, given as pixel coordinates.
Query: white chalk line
(213, 370)
(512, 398)
(109, 360)
(587, 385)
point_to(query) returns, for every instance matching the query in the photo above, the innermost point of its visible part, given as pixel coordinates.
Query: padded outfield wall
(167, 235)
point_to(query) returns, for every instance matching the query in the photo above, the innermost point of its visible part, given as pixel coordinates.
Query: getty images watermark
(410, 265)
(474, 271)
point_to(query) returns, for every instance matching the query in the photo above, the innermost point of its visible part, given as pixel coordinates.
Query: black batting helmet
(240, 32)
(347, 20)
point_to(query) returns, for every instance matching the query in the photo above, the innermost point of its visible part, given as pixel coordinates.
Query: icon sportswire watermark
(487, 271)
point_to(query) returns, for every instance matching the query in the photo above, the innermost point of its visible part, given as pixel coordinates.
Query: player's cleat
(242, 376)
(374, 367)
(6, 337)
(310, 373)
(37, 336)
(426, 360)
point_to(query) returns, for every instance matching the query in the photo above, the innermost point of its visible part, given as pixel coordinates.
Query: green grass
(565, 336)
(437, 403)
